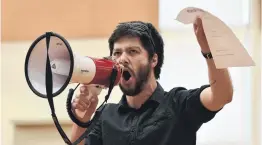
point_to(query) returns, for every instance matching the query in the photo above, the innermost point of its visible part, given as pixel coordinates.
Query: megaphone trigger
(94, 89)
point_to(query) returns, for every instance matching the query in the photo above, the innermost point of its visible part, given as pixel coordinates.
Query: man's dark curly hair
(150, 38)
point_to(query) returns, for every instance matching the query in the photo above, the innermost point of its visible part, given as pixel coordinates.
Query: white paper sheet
(225, 47)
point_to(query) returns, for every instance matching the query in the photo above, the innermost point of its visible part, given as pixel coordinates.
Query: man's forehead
(127, 43)
(127, 39)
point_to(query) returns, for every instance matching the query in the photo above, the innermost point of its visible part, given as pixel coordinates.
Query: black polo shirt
(167, 118)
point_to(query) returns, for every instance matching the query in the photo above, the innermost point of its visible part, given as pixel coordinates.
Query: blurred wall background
(26, 118)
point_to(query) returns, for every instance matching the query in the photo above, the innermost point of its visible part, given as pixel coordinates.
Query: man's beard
(141, 78)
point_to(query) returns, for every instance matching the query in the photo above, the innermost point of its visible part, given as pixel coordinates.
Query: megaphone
(66, 66)
(50, 66)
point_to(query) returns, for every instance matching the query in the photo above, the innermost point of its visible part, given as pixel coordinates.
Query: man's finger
(78, 106)
(198, 21)
(84, 104)
(84, 90)
(84, 98)
(195, 26)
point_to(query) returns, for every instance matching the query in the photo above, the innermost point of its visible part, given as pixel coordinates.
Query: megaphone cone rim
(71, 65)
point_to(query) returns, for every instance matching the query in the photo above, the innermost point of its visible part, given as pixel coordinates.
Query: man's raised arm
(221, 91)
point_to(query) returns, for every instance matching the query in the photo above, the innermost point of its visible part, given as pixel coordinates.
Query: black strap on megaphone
(49, 92)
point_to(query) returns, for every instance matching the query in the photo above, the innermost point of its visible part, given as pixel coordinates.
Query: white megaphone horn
(66, 66)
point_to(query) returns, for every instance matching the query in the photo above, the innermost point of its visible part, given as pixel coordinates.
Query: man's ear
(154, 60)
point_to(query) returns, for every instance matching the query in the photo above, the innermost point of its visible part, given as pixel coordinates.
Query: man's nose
(123, 59)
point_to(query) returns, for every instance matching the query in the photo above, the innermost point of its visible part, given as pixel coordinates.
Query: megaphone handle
(93, 90)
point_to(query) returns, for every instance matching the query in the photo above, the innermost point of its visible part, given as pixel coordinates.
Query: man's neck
(137, 101)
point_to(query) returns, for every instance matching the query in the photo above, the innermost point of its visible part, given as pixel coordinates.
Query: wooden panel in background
(26, 20)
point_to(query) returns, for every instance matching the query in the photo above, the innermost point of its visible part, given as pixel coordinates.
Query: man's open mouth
(126, 75)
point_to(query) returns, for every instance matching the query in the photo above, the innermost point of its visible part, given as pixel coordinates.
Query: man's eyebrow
(134, 47)
(129, 47)
(117, 49)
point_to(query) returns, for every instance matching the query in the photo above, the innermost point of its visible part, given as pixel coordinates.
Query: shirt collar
(156, 97)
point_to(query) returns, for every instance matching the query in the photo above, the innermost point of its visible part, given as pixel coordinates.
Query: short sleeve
(191, 107)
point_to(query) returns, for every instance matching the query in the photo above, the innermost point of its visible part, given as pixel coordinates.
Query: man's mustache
(122, 66)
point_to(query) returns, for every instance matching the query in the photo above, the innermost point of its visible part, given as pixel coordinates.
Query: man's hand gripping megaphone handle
(90, 124)
(93, 90)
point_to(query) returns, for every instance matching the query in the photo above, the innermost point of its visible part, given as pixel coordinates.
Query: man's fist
(84, 104)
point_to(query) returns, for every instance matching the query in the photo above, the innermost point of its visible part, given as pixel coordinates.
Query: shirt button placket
(133, 135)
(133, 131)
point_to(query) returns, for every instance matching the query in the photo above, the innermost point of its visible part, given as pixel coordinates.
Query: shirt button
(132, 142)
(133, 130)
